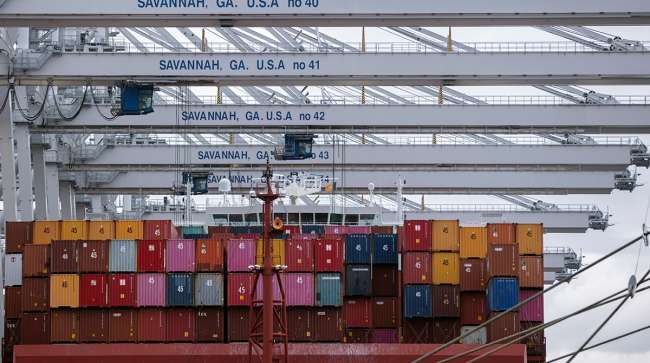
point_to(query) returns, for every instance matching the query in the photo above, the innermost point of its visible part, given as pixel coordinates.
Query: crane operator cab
(136, 98)
(296, 147)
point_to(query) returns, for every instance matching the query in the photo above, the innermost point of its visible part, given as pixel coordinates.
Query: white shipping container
(478, 337)
(13, 272)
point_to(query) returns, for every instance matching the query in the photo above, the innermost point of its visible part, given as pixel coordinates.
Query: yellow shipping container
(64, 291)
(444, 235)
(74, 230)
(446, 268)
(129, 229)
(101, 230)
(278, 252)
(45, 232)
(473, 242)
(530, 239)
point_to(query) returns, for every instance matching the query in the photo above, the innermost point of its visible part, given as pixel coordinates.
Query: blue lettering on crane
(234, 179)
(223, 155)
(162, 4)
(209, 116)
(189, 65)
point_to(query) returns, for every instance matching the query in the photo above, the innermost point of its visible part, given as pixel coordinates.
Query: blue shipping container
(180, 289)
(357, 249)
(384, 249)
(313, 229)
(502, 293)
(122, 256)
(418, 301)
(358, 280)
(328, 289)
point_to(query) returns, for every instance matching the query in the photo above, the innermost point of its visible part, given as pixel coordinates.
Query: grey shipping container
(179, 289)
(328, 289)
(13, 269)
(208, 289)
(417, 301)
(477, 337)
(358, 280)
(122, 256)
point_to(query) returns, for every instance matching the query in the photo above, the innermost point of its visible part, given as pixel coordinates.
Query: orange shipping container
(74, 230)
(445, 235)
(129, 229)
(473, 242)
(45, 232)
(529, 239)
(531, 272)
(209, 255)
(446, 268)
(101, 230)
(64, 291)
(501, 233)
(277, 254)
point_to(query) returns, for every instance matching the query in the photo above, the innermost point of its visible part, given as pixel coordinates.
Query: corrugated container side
(502, 293)
(357, 336)
(501, 233)
(256, 230)
(180, 255)
(299, 255)
(191, 231)
(445, 268)
(209, 255)
(181, 325)
(18, 234)
(530, 239)
(332, 229)
(44, 232)
(418, 301)
(64, 326)
(13, 302)
(446, 301)
(210, 324)
(93, 291)
(357, 249)
(532, 310)
(417, 236)
(65, 257)
(473, 242)
(240, 254)
(505, 326)
(151, 255)
(13, 269)
(298, 288)
(93, 256)
(300, 323)
(445, 235)
(531, 272)
(208, 289)
(129, 229)
(122, 256)
(357, 313)
(35, 294)
(384, 249)
(312, 229)
(36, 260)
(212, 230)
(123, 325)
(385, 279)
(35, 328)
(180, 291)
(64, 291)
(239, 288)
(152, 325)
(277, 251)
(473, 275)
(122, 290)
(358, 229)
(384, 336)
(328, 325)
(291, 230)
(259, 290)
(477, 337)
(93, 326)
(328, 254)
(417, 331)
(159, 230)
(101, 230)
(238, 325)
(302, 236)
(328, 289)
(382, 229)
(358, 280)
(445, 329)
(151, 289)
(416, 268)
(502, 260)
(472, 308)
(12, 336)
(74, 230)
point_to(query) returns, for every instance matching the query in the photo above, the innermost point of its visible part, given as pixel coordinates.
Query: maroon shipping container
(181, 325)
(385, 311)
(93, 290)
(358, 312)
(291, 230)
(93, 256)
(536, 343)
(534, 309)
(65, 257)
(17, 235)
(213, 230)
(384, 336)
(327, 325)
(381, 229)
(502, 260)
(239, 286)
(151, 255)
(473, 275)
(210, 324)
(417, 236)
(531, 272)
(445, 329)
(36, 260)
(13, 302)
(152, 325)
(384, 280)
(472, 308)
(123, 325)
(416, 268)
(12, 333)
(122, 290)
(64, 326)
(238, 326)
(446, 301)
(159, 230)
(300, 323)
(504, 326)
(417, 331)
(357, 335)
(35, 294)
(299, 255)
(328, 254)
(501, 233)
(93, 326)
(35, 328)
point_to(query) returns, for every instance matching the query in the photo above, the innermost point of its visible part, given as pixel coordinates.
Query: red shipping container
(417, 331)
(93, 326)
(35, 294)
(531, 272)
(357, 230)
(358, 313)
(300, 323)
(384, 336)
(151, 255)
(64, 257)
(93, 291)
(502, 233)
(35, 328)
(240, 254)
(213, 230)
(13, 302)
(327, 325)
(446, 301)
(532, 310)
(210, 324)
(307, 236)
(381, 229)
(416, 268)
(328, 254)
(159, 230)
(357, 336)
(17, 235)
(299, 255)
(384, 280)
(93, 256)
(238, 325)
(445, 329)
(64, 326)
(123, 325)
(504, 326)
(502, 260)
(472, 308)
(36, 260)
(417, 236)
(122, 290)
(152, 325)
(181, 325)
(473, 275)
(336, 230)
(209, 255)
(385, 312)
(240, 286)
